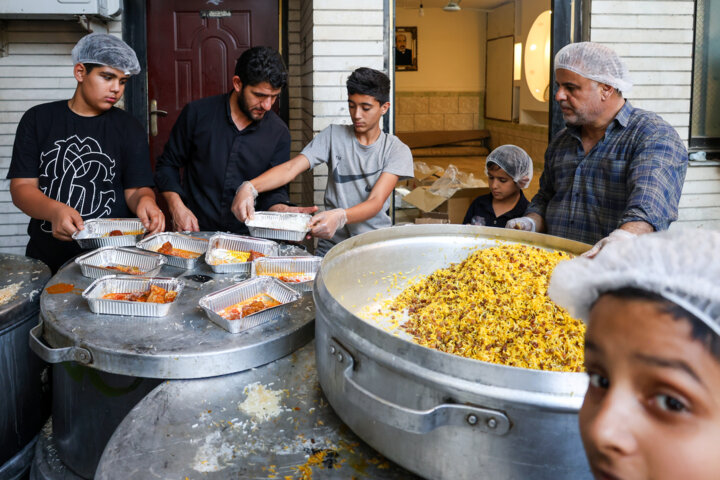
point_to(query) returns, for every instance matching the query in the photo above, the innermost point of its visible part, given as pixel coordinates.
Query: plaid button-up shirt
(634, 173)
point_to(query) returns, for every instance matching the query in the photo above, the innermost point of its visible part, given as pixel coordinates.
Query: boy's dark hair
(261, 64)
(492, 165)
(700, 331)
(367, 81)
(89, 66)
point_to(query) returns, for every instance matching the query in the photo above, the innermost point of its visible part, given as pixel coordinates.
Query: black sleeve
(471, 212)
(279, 195)
(175, 155)
(25, 161)
(137, 171)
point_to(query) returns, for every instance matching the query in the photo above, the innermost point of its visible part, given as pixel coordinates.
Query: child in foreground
(652, 353)
(509, 170)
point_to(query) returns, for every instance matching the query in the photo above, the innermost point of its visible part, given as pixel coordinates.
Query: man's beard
(242, 104)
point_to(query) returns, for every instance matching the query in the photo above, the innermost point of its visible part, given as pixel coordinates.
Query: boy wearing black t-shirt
(509, 170)
(83, 158)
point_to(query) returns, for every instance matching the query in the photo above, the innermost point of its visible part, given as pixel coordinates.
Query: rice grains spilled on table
(494, 307)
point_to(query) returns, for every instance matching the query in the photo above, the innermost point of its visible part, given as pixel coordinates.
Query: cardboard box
(455, 207)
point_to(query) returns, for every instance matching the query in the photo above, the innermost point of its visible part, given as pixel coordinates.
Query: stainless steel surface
(92, 235)
(24, 389)
(127, 284)
(95, 264)
(228, 241)
(198, 429)
(184, 344)
(258, 226)
(292, 266)
(178, 240)
(439, 415)
(227, 297)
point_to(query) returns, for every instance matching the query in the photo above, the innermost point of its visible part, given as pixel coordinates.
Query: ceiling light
(452, 6)
(421, 12)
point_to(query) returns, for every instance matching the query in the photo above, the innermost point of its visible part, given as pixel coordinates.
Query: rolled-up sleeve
(655, 179)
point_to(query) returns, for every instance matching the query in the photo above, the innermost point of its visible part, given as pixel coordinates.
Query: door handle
(154, 113)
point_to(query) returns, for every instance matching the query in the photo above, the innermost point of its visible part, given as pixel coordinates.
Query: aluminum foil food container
(218, 301)
(279, 225)
(126, 284)
(228, 241)
(303, 268)
(94, 235)
(95, 264)
(178, 240)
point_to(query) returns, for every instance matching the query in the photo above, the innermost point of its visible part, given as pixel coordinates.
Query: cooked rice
(494, 307)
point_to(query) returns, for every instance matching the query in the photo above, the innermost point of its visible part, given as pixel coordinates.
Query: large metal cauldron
(436, 414)
(105, 364)
(24, 397)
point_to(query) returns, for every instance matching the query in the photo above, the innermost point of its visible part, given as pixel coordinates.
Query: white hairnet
(596, 62)
(675, 264)
(107, 50)
(514, 161)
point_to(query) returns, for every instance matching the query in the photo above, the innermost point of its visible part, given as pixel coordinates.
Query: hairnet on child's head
(675, 264)
(596, 62)
(514, 161)
(107, 50)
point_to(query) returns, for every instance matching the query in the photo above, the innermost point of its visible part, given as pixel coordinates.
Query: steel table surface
(183, 344)
(204, 428)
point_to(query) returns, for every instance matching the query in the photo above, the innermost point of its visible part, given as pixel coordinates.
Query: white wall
(337, 38)
(655, 38)
(37, 69)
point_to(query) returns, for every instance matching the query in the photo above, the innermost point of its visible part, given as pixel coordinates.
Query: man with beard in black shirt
(223, 140)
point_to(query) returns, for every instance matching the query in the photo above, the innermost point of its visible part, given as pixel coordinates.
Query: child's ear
(79, 72)
(384, 107)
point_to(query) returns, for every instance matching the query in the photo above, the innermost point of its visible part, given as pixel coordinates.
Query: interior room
(480, 67)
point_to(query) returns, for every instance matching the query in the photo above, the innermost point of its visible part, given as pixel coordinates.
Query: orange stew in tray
(255, 304)
(154, 295)
(167, 249)
(125, 269)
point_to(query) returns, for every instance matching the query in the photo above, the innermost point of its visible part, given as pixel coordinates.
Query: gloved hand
(243, 206)
(522, 223)
(615, 236)
(325, 224)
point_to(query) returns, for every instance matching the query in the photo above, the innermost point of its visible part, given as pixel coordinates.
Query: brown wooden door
(192, 49)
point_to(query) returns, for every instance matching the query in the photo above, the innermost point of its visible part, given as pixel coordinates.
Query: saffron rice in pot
(494, 307)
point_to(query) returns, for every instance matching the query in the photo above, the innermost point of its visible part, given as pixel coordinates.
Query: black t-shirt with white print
(84, 162)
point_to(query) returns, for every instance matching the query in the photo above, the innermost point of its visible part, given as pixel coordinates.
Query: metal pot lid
(272, 421)
(21, 281)
(183, 344)
(367, 269)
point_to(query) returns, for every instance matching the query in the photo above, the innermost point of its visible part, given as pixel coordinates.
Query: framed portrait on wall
(406, 49)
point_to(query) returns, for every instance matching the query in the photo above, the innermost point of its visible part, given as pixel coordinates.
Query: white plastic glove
(615, 236)
(325, 224)
(522, 223)
(243, 206)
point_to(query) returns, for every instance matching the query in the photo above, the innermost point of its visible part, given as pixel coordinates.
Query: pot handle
(411, 420)
(56, 355)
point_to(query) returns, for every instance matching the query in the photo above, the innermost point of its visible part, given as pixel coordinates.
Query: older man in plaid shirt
(616, 171)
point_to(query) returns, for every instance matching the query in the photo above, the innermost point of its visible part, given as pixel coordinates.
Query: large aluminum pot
(24, 395)
(439, 415)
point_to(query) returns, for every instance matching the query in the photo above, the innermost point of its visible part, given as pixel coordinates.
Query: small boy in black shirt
(83, 158)
(509, 169)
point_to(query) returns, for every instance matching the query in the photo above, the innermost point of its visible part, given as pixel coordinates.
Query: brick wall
(336, 37)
